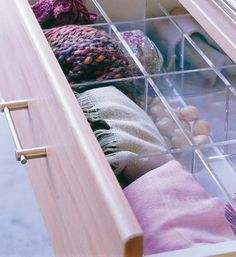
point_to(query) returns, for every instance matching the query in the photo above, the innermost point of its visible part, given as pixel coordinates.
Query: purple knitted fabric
(65, 12)
(61, 12)
(43, 10)
(87, 54)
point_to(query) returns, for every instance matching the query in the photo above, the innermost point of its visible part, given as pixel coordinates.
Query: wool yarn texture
(174, 210)
(62, 12)
(87, 54)
(123, 130)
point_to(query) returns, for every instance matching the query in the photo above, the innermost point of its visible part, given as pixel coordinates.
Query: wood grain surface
(82, 204)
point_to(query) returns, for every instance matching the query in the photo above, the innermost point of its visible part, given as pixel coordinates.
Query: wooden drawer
(84, 208)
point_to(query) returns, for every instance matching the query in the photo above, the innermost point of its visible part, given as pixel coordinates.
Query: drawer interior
(189, 76)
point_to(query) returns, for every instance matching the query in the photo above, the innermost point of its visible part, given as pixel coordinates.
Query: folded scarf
(62, 12)
(174, 211)
(123, 130)
(87, 54)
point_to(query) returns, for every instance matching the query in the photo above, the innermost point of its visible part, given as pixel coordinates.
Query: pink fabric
(174, 211)
(62, 12)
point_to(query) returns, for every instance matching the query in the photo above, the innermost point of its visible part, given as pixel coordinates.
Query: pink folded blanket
(174, 211)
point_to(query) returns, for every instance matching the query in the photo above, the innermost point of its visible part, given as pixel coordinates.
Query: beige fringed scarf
(123, 130)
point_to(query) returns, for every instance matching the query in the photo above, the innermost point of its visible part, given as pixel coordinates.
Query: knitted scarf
(61, 12)
(87, 54)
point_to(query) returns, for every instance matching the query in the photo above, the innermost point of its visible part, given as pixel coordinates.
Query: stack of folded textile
(124, 131)
(175, 212)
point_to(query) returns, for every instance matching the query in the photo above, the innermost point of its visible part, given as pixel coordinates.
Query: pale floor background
(22, 230)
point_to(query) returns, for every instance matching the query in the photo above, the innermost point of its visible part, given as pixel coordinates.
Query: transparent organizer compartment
(161, 31)
(230, 75)
(177, 84)
(216, 103)
(221, 162)
(123, 10)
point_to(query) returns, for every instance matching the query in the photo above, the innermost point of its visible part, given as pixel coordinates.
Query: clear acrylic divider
(229, 73)
(220, 160)
(122, 10)
(213, 101)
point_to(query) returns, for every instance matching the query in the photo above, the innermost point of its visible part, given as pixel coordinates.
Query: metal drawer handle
(22, 155)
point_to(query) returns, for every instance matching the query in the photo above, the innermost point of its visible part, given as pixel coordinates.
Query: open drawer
(82, 203)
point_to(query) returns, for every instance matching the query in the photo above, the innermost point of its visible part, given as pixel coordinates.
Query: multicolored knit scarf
(87, 54)
(62, 12)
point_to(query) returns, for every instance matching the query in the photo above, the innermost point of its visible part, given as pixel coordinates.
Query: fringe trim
(118, 166)
(102, 130)
(88, 107)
